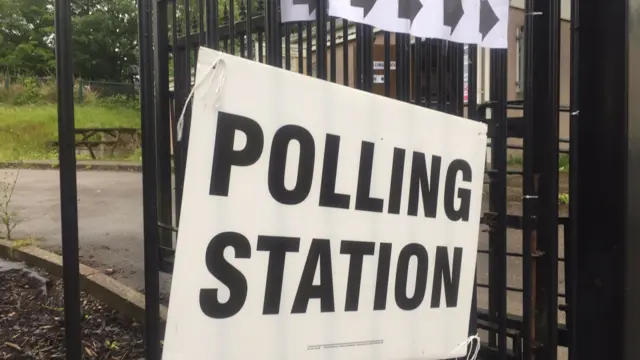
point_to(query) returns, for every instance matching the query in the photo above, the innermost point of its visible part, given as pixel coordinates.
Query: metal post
(606, 177)
(68, 185)
(163, 124)
(149, 186)
(498, 198)
(321, 40)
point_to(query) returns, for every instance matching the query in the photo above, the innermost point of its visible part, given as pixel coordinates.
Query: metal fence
(36, 90)
(425, 72)
(527, 280)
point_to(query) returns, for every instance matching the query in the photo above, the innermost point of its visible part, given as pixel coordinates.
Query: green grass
(25, 130)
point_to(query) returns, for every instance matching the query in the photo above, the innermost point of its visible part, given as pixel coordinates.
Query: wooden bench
(92, 138)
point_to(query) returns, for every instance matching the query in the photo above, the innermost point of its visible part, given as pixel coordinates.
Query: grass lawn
(25, 130)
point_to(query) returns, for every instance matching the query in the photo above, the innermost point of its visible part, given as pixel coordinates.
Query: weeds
(8, 217)
(563, 198)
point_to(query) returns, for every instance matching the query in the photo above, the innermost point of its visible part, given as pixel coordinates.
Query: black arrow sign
(453, 12)
(366, 6)
(313, 4)
(409, 9)
(488, 18)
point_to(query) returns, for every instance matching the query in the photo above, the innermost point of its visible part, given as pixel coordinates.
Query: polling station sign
(321, 222)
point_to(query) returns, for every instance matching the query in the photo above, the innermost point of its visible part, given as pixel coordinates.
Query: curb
(104, 288)
(80, 166)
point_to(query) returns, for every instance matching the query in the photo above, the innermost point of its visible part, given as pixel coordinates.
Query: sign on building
(322, 222)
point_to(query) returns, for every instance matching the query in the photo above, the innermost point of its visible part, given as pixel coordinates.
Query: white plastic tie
(474, 349)
(216, 68)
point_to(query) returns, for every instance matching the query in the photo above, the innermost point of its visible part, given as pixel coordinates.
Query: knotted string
(472, 354)
(216, 68)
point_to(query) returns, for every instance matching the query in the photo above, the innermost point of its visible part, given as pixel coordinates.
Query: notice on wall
(328, 223)
(379, 65)
(480, 22)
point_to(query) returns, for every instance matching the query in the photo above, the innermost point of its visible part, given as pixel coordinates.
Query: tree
(105, 38)
(26, 29)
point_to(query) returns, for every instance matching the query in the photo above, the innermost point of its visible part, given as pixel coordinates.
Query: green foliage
(104, 38)
(38, 91)
(563, 198)
(25, 36)
(104, 35)
(8, 217)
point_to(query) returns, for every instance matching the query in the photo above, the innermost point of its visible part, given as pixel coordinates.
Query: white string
(216, 68)
(472, 354)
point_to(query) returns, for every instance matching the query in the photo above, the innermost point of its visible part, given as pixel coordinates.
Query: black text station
(446, 276)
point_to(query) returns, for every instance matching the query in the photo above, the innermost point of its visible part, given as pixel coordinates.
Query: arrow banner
(481, 22)
(298, 10)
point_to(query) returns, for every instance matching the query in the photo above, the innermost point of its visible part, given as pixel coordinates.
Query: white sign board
(328, 223)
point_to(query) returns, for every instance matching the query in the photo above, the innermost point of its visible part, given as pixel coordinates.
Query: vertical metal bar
(321, 39)
(472, 82)
(260, 46)
(163, 123)
(428, 54)
(232, 27)
(300, 48)
(186, 73)
(387, 64)
(417, 70)
(460, 70)
(545, 104)
(450, 82)
(249, 29)
(271, 32)
(498, 195)
(571, 243)
(606, 175)
(405, 48)
(358, 76)
(309, 48)
(178, 102)
(399, 67)
(548, 191)
(345, 51)
(441, 74)
(287, 46)
(68, 185)
(529, 190)
(201, 34)
(473, 317)
(212, 23)
(332, 49)
(367, 58)
(149, 188)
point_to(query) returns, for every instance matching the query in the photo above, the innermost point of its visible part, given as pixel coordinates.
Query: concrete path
(110, 219)
(110, 227)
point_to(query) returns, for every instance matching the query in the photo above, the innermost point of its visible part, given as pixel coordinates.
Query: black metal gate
(528, 278)
(427, 72)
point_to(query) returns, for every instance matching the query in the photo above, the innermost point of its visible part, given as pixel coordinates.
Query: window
(520, 60)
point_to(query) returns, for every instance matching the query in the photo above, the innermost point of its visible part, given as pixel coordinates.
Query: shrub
(34, 91)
